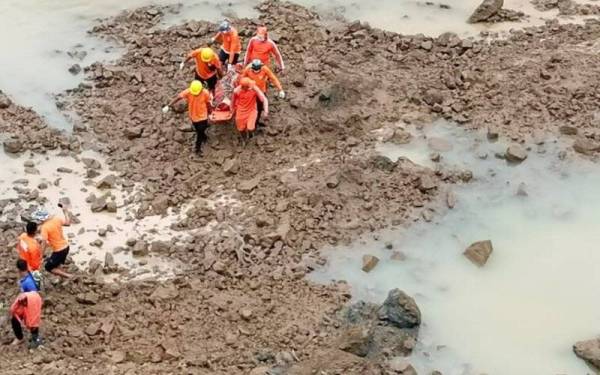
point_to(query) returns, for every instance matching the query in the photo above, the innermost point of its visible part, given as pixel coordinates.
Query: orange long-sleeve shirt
(263, 49)
(262, 78)
(230, 41)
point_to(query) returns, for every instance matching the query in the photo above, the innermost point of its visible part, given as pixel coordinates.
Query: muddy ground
(310, 180)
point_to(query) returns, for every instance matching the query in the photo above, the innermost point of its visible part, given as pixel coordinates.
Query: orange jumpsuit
(230, 42)
(31, 314)
(262, 78)
(244, 104)
(30, 251)
(263, 50)
(205, 70)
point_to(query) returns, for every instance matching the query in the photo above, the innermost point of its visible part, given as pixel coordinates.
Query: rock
(133, 132)
(433, 97)
(111, 206)
(485, 10)
(400, 310)
(492, 134)
(99, 204)
(94, 265)
(171, 351)
(369, 262)
(248, 185)
(262, 370)
(451, 199)
(97, 243)
(140, 249)
(130, 242)
(439, 144)
(568, 130)
(4, 101)
(515, 154)
(89, 298)
(75, 69)
(479, 252)
(401, 365)
(585, 146)
(427, 45)
(92, 173)
(93, 329)
(160, 247)
(246, 314)
(356, 340)
(589, 351)
(398, 255)
(165, 292)
(30, 170)
(400, 137)
(383, 163)
(332, 181)
(117, 356)
(29, 163)
(91, 163)
(109, 261)
(230, 167)
(427, 183)
(107, 182)
(42, 186)
(13, 147)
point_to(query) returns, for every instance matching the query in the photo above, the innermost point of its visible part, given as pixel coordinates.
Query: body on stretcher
(222, 112)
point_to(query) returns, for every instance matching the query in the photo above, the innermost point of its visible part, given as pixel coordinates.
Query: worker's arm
(209, 107)
(236, 47)
(165, 109)
(249, 51)
(217, 37)
(277, 55)
(273, 79)
(43, 241)
(188, 57)
(263, 98)
(67, 215)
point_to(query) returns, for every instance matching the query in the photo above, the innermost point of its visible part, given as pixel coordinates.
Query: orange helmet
(246, 82)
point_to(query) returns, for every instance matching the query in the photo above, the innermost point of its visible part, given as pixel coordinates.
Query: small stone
(109, 261)
(246, 314)
(568, 130)
(75, 69)
(451, 199)
(398, 255)
(427, 45)
(427, 183)
(111, 206)
(97, 243)
(492, 134)
(479, 252)
(332, 181)
(107, 182)
(42, 186)
(12, 147)
(589, 351)
(248, 185)
(585, 146)
(522, 190)
(64, 170)
(93, 329)
(230, 167)
(369, 262)
(515, 154)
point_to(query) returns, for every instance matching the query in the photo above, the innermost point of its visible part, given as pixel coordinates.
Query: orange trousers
(246, 121)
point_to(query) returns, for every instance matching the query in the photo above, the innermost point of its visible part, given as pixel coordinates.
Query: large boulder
(589, 351)
(479, 252)
(400, 310)
(485, 10)
(585, 146)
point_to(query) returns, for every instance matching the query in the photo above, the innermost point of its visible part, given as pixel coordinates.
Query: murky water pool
(521, 312)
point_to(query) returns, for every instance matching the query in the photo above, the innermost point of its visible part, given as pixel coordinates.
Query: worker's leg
(236, 58)
(200, 128)
(17, 329)
(251, 124)
(55, 261)
(211, 83)
(224, 58)
(35, 338)
(259, 108)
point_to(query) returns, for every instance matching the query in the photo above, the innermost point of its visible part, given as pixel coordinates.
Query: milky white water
(537, 295)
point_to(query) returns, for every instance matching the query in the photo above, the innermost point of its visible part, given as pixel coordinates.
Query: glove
(229, 67)
(165, 109)
(181, 65)
(281, 94)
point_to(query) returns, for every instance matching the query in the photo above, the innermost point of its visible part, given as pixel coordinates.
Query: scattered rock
(400, 310)
(248, 185)
(230, 167)
(356, 340)
(479, 252)
(589, 351)
(140, 249)
(332, 181)
(117, 356)
(75, 69)
(485, 10)
(94, 265)
(89, 298)
(111, 206)
(99, 204)
(107, 182)
(585, 146)
(369, 262)
(427, 183)
(165, 292)
(568, 130)
(451, 199)
(515, 154)
(12, 147)
(522, 190)
(439, 144)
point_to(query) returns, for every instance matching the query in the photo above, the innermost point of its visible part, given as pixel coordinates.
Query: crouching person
(27, 311)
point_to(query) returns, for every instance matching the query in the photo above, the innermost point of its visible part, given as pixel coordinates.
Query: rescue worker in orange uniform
(199, 107)
(53, 237)
(243, 103)
(29, 248)
(27, 311)
(231, 46)
(262, 76)
(208, 66)
(262, 48)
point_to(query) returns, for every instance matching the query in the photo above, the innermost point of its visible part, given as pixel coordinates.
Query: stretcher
(222, 111)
